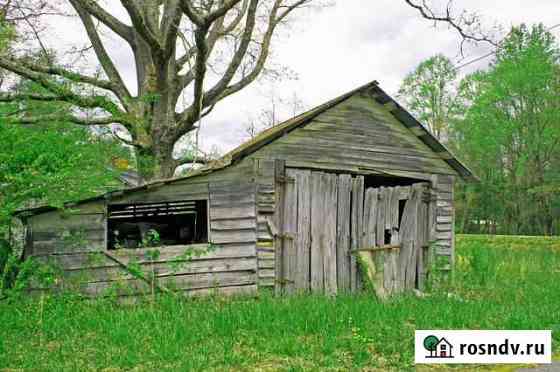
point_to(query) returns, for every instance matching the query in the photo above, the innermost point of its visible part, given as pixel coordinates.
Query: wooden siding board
(330, 224)
(356, 231)
(290, 233)
(317, 232)
(334, 156)
(343, 232)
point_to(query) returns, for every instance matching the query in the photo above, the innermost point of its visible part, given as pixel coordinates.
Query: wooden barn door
(328, 222)
(396, 229)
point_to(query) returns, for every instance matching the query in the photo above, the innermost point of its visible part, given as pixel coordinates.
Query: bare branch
(460, 23)
(132, 143)
(274, 20)
(62, 117)
(15, 97)
(64, 93)
(170, 26)
(205, 20)
(58, 71)
(222, 89)
(217, 31)
(118, 86)
(237, 57)
(91, 7)
(142, 27)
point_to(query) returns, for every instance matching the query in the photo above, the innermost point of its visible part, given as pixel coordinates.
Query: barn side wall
(75, 241)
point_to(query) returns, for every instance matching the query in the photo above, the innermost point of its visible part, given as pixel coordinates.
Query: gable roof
(281, 129)
(444, 340)
(381, 97)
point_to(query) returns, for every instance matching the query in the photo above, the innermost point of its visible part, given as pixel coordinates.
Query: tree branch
(16, 97)
(194, 113)
(142, 27)
(58, 71)
(205, 20)
(119, 88)
(170, 26)
(94, 9)
(59, 117)
(65, 94)
(459, 24)
(222, 89)
(212, 97)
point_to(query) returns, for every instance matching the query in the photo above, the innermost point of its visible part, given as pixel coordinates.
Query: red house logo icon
(438, 347)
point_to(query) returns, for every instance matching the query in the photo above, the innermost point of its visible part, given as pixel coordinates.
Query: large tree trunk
(158, 87)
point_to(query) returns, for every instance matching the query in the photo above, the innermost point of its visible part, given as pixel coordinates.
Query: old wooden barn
(357, 178)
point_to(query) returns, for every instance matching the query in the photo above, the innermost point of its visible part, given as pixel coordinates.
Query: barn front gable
(358, 135)
(366, 119)
(363, 135)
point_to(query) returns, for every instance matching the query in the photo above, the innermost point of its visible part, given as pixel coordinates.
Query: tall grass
(500, 283)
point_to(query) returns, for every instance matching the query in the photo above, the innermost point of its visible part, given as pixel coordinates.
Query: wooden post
(279, 177)
(381, 219)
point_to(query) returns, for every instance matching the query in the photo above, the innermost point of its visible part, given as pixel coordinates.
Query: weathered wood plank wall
(344, 260)
(445, 221)
(267, 225)
(76, 241)
(356, 136)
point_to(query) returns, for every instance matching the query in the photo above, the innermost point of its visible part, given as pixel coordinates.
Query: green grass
(499, 283)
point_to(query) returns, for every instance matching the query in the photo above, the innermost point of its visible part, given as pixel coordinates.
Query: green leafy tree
(510, 135)
(430, 93)
(50, 164)
(430, 344)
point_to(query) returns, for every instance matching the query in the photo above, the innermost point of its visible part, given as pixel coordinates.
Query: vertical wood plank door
(395, 233)
(316, 236)
(326, 216)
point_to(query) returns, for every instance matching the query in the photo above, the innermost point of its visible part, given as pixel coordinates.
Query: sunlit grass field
(499, 283)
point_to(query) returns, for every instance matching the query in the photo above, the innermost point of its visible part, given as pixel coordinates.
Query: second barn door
(330, 222)
(309, 239)
(393, 249)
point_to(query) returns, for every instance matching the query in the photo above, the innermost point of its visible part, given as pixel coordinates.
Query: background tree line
(504, 122)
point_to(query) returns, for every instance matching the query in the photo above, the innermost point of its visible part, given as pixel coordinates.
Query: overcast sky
(347, 45)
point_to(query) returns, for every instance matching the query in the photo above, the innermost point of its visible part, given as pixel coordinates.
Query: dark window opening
(157, 224)
(402, 203)
(388, 181)
(387, 237)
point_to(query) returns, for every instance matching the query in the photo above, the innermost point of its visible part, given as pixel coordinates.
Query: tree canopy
(504, 121)
(53, 164)
(430, 93)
